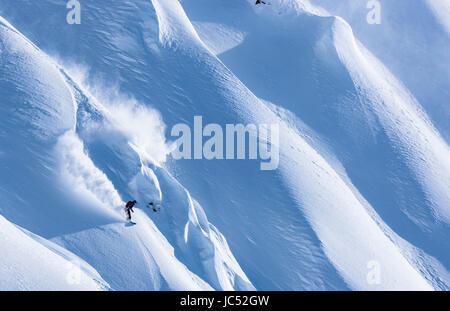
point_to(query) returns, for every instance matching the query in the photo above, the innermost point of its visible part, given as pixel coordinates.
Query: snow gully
(262, 138)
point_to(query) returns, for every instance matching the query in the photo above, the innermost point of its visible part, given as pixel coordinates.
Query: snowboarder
(129, 208)
(259, 2)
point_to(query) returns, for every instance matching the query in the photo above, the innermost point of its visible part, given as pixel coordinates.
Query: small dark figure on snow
(259, 2)
(153, 207)
(129, 208)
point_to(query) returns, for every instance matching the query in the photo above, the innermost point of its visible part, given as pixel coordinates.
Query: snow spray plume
(141, 124)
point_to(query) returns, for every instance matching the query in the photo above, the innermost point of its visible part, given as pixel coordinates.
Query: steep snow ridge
(272, 68)
(219, 38)
(173, 31)
(426, 152)
(441, 9)
(132, 257)
(315, 182)
(197, 238)
(417, 36)
(31, 123)
(143, 259)
(37, 109)
(145, 186)
(301, 227)
(342, 224)
(182, 220)
(28, 265)
(140, 261)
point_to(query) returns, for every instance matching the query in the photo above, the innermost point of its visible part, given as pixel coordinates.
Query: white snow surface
(86, 112)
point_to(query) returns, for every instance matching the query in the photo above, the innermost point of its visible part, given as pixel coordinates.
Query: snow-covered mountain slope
(64, 196)
(363, 173)
(323, 75)
(412, 40)
(46, 269)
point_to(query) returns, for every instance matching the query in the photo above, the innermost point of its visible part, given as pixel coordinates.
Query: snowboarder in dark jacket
(129, 208)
